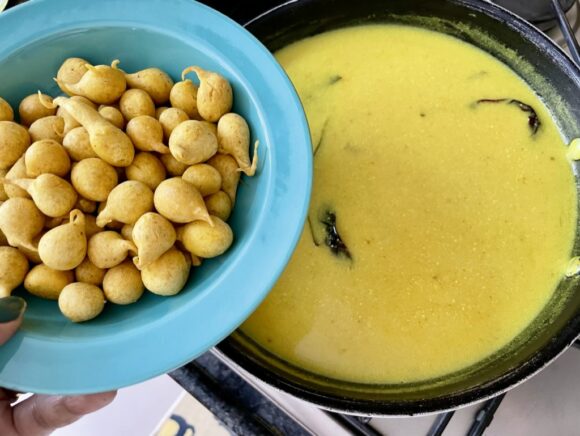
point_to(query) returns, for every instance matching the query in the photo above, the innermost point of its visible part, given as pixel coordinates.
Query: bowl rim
(234, 354)
(70, 367)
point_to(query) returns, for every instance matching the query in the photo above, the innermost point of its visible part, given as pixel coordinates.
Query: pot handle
(567, 31)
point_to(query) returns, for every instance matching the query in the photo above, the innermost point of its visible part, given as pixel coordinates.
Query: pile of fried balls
(122, 185)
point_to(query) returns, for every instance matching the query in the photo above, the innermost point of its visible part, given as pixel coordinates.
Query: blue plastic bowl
(128, 344)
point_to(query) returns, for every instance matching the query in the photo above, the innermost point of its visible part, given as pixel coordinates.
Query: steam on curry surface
(443, 210)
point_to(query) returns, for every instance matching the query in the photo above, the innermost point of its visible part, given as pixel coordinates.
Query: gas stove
(546, 404)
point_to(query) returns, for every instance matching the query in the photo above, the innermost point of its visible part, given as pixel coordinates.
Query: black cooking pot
(557, 80)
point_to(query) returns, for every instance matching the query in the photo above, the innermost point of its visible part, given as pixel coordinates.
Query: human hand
(40, 414)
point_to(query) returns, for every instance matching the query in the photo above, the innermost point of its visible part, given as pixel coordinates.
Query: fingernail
(11, 308)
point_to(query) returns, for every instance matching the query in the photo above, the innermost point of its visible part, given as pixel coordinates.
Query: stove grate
(247, 412)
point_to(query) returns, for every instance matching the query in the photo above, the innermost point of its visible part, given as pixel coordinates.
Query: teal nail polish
(11, 308)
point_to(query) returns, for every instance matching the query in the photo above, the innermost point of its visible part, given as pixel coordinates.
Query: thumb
(11, 311)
